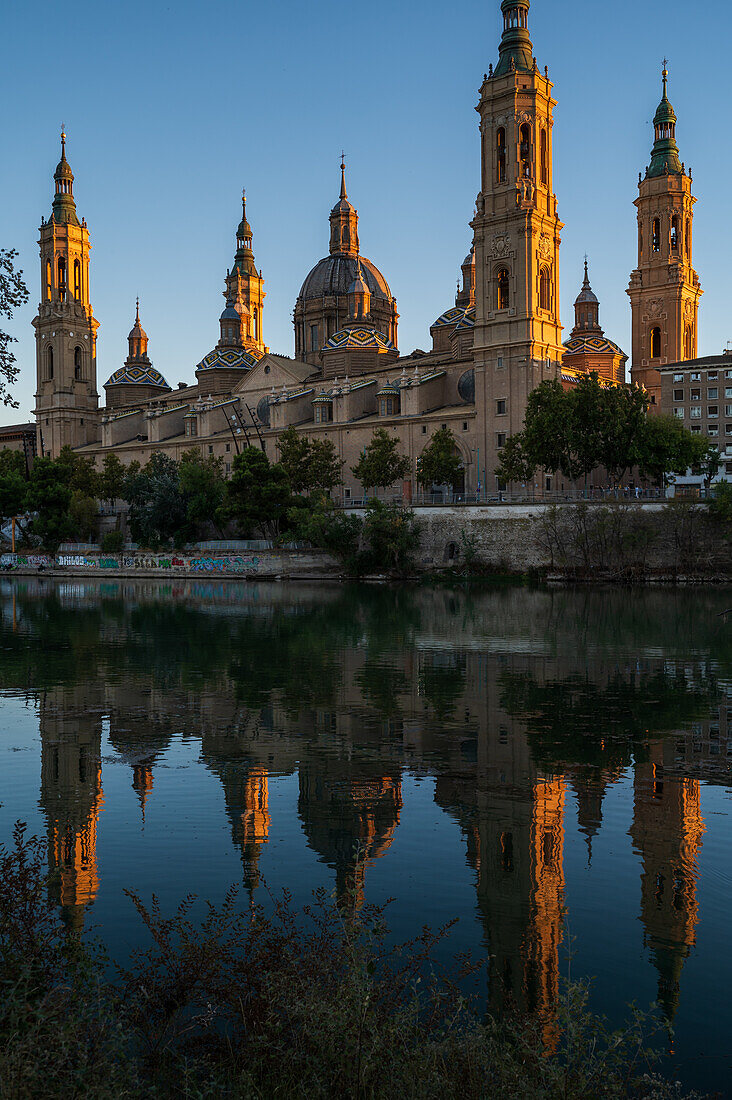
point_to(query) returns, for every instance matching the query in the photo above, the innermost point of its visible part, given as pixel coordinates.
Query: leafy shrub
(113, 542)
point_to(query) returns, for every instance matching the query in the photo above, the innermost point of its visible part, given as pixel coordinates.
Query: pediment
(274, 371)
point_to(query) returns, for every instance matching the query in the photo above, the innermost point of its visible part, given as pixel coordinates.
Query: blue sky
(170, 109)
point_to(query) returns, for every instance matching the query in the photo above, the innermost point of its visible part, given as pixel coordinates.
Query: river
(552, 767)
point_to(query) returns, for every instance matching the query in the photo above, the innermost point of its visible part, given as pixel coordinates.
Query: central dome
(335, 274)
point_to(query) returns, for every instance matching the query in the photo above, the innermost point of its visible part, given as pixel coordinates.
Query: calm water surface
(552, 768)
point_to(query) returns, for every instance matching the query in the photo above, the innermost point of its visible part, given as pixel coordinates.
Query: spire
(64, 207)
(137, 339)
(586, 309)
(344, 194)
(515, 50)
(665, 153)
(343, 222)
(244, 258)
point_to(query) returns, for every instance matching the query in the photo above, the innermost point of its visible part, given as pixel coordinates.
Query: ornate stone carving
(655, 306)
(500, 245)
(545, 246)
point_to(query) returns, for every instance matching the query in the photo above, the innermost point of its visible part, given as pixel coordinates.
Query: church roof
(335, 274)
(130, 375)
(359, 337)
(593, 345)
(230, 359)
(457, 317)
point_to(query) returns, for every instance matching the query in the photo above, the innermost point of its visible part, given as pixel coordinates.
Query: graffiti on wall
(206, 563)
(25, 561)
(224, 565)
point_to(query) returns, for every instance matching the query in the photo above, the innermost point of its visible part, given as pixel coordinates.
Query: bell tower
(664, 289)
(518, 335)
(244, 292)
(66, 332)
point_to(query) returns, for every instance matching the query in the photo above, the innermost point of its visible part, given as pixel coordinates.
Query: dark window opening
(656, 235)
(502, 289)
(501, 156)
(655, 343)
(525, 150)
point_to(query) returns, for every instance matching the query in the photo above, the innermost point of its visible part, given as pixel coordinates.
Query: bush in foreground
(276, 1003)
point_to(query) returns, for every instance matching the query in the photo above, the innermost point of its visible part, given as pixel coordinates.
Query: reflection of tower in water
(349, 820)
(667, 831)
(246, 794)
(71, 798)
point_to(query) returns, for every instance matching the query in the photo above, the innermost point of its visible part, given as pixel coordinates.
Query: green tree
(381, 464)
(84, 516)
(112, 478)
(331, 529)
(158, 507)
(80, 471)
(310, 464)
(667, 447)
(440, 462)
(392, 534)
(258, 494)
(622, 429)
(49, 495)
(514, 464)
(13, 293)
(13, 484)
(548, 428)
(203, 485)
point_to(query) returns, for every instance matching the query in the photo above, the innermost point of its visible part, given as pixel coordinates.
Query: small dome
(230, 313)
(63, 168)
(592, 344)
(230, 359)
(450, 317)
(359, 338)
(137, 376)
(335, 274)
(323, 398)
(389, 389)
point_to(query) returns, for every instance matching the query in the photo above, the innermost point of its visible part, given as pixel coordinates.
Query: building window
(525, 150)
(210, 448)
(711, 376)
(656, 235)
(500, 155)
(695, 412)
(687, 238)
(388, 406)
(77, 364)
(728, 410)
(62, 278)
(713, 429)
(545, 289)
(674, 234)
(314, 338)
(678, 395)
(712, 393)
(501, 407)
(49, 363)
(256, 324)
(324, 413)
(424, 429)
(712, 410)
(465, 425)
(680, 413)
(544, 160)
(696, 429)
(695, 394)
(228, 468)
(500, 439)
(655, 343)
(502, 289)
(499, 362)
(228, 447)
(49, 280)
(688, 343)
(77, 280)
(728, 427)
(696, 376)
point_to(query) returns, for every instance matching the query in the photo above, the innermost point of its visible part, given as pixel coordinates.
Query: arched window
(544, 160)
(501, 155)
(674, 234)
(688, 343)
(655, 343)
(77, 364)
(77, 280)
(687, 239)
(502, 289)
(49, 362)
(62, 278)
(525, 150)
(49, 279)
(545, 289)
(656, 235)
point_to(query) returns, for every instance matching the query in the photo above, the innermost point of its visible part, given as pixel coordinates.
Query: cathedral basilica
(500, 338)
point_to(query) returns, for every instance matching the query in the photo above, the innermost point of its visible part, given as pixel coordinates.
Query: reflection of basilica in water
(480, 717)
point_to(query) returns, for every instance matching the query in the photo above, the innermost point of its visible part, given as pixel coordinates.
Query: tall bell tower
(518, 336)
(664, 289)
(66, 332)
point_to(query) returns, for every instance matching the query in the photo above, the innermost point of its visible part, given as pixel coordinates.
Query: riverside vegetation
(265, 1002)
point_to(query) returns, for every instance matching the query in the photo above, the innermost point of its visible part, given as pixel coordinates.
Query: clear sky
(170, 109)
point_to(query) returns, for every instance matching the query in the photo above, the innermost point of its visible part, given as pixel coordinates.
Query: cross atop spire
(344, 194)
(63, 140)
(137, 310)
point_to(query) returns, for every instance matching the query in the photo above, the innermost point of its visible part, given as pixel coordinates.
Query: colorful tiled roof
(230, 359)
(457, 317)
(137, 376)
(593, 344)
(359, 338)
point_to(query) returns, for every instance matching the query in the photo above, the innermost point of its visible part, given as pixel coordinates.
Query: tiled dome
(137, 376)
(359, 338)
(230, 359)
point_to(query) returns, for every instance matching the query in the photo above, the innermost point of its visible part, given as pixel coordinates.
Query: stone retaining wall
(263, 563)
